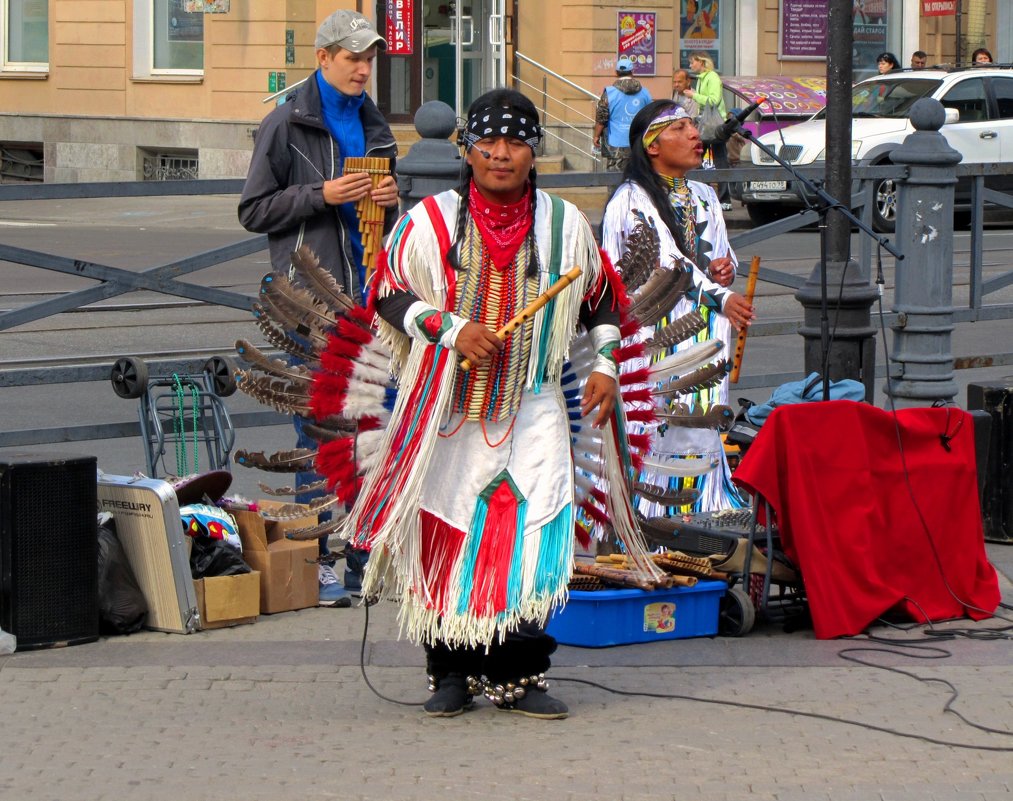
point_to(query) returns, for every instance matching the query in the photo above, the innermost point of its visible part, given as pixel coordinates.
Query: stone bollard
(921, 364)
(432, 164)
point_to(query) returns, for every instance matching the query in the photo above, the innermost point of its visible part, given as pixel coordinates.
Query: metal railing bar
(94, 189)
(556, 75)
(977, 255)
(118, 281)
(567, 106)
(43, 436)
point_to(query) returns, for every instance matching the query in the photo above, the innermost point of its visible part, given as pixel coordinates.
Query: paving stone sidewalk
(280, 710)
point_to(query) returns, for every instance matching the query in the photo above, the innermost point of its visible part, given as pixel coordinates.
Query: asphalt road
(279, 710)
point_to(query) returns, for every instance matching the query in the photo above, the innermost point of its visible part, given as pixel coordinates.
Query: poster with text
(637, 40)
(803, 30)
(400, 27)
(699, 30)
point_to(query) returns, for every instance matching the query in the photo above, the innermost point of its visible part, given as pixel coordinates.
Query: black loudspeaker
(49, 549)
(996, 398)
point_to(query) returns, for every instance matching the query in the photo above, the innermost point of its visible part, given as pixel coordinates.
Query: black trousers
(524, 652)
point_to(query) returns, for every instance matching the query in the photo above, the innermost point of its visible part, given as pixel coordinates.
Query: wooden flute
(528, 311)
(740, 341)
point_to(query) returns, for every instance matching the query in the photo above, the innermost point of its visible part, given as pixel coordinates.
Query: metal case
(149, 527)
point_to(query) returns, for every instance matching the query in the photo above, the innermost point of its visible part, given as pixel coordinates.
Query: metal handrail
(547, 73)
(556, 75)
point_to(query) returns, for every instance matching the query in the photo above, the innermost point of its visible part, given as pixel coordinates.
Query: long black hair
(495, 98)
(640, 170)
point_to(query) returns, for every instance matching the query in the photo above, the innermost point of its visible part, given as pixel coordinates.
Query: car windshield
(887, 98)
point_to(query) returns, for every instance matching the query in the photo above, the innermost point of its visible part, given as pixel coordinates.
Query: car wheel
(884, 206)
(764, 213)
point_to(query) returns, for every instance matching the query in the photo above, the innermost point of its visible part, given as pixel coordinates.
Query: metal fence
(165, 278)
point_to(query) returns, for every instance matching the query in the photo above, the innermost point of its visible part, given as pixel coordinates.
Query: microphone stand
(826, 203)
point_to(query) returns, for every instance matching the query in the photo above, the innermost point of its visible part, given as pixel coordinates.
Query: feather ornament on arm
(274, 392)
(319, 281)
(277, 336)
(718, 416)
(665, 496)
(295, 309)
(687, 359)
(641, 253)
(297, 374)
(293, 511)
(660, 293)
(291, 461)
(689, 325)
(697, 381)
(316, 486)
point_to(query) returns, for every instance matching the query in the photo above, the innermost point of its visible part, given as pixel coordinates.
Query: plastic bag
(805, 391)
(122, 607)
(8, 643)
(709, 121)
(210, 557)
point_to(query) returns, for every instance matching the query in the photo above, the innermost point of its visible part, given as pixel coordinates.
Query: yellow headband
(662, 121)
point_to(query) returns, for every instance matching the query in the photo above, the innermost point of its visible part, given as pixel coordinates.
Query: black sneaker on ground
(450, 699)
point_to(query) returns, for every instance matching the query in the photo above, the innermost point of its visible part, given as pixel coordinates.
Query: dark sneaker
(450, 698)
(539, 704)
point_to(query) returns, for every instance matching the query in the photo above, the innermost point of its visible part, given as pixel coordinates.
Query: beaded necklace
(680, 195)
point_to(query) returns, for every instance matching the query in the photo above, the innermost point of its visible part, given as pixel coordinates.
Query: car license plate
(768, 186)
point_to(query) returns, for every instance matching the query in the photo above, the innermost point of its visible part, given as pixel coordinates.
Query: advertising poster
(183, 25)
(699, 30)
(400, 27)
(803, 28)
(637, 40)
(870, 34)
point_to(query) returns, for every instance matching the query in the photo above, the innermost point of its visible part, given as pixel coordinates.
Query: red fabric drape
(835, 477)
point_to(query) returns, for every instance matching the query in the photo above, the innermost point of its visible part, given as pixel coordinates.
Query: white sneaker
(331, 591)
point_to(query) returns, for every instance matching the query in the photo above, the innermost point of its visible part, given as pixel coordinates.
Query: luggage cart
(762, 581)
(181, 411)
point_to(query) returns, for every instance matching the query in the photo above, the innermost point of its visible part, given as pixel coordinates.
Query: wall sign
(400, 33)
(803, 30)
(636, 39)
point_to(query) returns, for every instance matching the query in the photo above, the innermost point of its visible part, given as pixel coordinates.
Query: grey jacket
(293, 154)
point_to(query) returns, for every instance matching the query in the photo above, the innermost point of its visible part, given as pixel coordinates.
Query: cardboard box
(288, 569)
(228, 600)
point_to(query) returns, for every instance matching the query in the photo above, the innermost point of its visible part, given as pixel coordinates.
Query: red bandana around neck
(503, 227)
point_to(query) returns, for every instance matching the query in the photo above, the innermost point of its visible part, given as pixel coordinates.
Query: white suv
(981, 130)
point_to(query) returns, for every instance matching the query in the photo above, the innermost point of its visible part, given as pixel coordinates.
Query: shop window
(168, 39)
(24, 35)
(21, 162)
(169, 165)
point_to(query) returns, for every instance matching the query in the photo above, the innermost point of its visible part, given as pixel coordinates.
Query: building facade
(161, 89)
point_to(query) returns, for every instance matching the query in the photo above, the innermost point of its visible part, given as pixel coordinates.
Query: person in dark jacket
(297, 194)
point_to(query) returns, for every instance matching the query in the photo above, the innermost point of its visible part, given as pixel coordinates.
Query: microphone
(485, 153)
(731, 125)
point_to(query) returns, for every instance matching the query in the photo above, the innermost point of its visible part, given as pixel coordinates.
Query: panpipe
(369, 213)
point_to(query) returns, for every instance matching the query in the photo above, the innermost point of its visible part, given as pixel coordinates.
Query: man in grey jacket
(297, 194)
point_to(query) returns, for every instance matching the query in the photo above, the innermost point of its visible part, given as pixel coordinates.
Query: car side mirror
(952, 116)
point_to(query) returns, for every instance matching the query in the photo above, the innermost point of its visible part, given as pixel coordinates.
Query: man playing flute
(296, 193)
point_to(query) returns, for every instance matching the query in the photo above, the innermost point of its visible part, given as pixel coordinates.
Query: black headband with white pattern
(501, 121)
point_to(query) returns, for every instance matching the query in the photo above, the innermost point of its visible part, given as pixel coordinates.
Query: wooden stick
(740, 342)
(525, 314)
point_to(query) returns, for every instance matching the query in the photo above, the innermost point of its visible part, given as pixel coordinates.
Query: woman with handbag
(709, 95)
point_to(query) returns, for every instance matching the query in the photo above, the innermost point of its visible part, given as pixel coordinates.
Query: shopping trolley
(181, 410)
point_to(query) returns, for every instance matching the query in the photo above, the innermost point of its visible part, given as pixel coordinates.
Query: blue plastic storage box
(619, 617)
